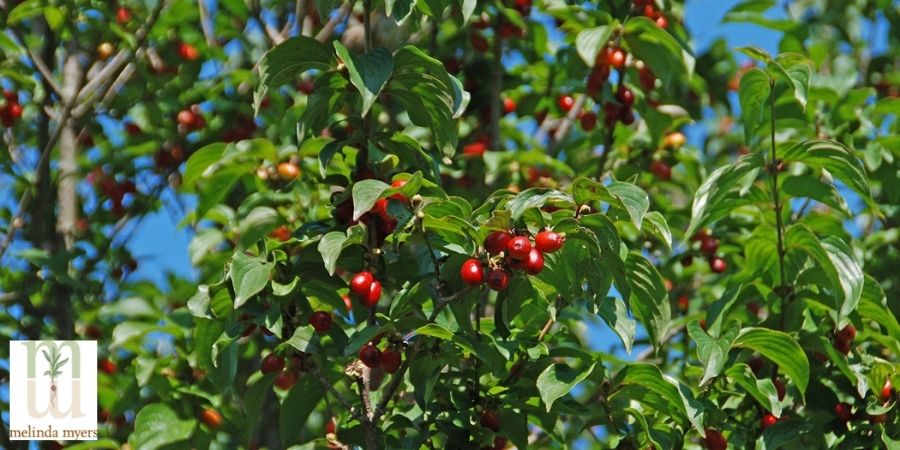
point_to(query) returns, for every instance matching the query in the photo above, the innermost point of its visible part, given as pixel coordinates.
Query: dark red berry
(548, 241)
(661, 170)
(588, 121)
(286, 380)
(626, 96)
(390, 361)
(842, 411)
(497, 241)
(709, 245)
(490, 420)
(847, 333)
(321, 321)
(779, 388)
(498, 279)
(271, 363)
(472, 272)
(518, 247)
(714, 440)
(370, 356)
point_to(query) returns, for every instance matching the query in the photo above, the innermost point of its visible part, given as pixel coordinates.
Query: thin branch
(325, 33)
(566, 122)
(335, 393)
(205, 24)
(496, 83)
(39, 64)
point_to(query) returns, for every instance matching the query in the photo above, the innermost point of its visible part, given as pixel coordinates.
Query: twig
(335, 393)
(205, 23)
(325, 33)
(496, 84)
(566, 122)
(39, 64)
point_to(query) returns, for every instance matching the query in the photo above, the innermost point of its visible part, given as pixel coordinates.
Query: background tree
(406, 214)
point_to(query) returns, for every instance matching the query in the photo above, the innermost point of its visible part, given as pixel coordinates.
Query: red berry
(718, 265)
(288, 171)
(499, 442)
(767, 421)
(282, 233)
(381, 209)
(187, 118)
(331, 426)
(588, 121)
(390, 361)
(321, 321)
(123, 16)
(626, 96)
(848, 333)
(756, 365)
(370, 356)
(479, 42)
(648, 79)
(132, 129)
(662, 22)
(271, 363)
(683, 302)
(188, 52)
(627, 116)
(108, 367)
(399, 184)
(566, 102)
(11, 96)
(490, 420)
(474, 149)
(534, 263)
(709, 245)
(371, 297)
(498, 279)
(361, 283)
(887, 391)
(509, 105)
(779, 388)
(15, 110)
(211, 418)
(518, 247)
(471, 272)
(661, 170)
(548, 241)
(842, 346)
(497, 242)
(877, 419)
(714, 440)
(842, 411)
(286, 380)
(615, 57)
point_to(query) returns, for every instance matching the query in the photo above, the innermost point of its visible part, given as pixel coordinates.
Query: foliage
(347, 171)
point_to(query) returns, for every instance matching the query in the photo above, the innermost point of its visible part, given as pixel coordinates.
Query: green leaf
(400, 9)
(24, 11)
(658, 49)
(156, 425)
(614, 312)
(633, 198)
(644, 377)
(201, 160)
(648, 297)
(762, 390)
(254, 227)
(781, 349)
(302, 339)
(248, 275)
(712, 352)
(299, 403)
(756, 53)
(54, 17)
(535, 198)
(333, 243)
(368, 72)
(365, 194)
(837, 159)
(655, 224)
(755, 90)
(838, 262)
(808, 186)
(797, 70)
(717, 186)
(558, 379)
(287, 61)
(590, 41)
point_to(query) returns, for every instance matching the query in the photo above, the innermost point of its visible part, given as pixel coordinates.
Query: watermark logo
(53, 390)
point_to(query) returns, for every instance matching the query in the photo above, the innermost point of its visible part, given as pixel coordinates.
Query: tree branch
(205, 22)
(496, 83)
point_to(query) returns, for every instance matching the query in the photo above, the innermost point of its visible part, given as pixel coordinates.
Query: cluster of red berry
(378, 216)
(510, 253)
(708, 245)
(112, 189)
(12, 110)
(647, 7)
(190, 119)
(287, 374)
(388, 359)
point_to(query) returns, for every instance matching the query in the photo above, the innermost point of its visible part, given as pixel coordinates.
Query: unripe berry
(211, 418)
(288, 171)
